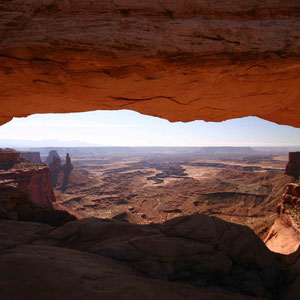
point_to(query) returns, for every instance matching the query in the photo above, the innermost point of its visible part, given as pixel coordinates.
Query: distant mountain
(12, 143)
(133, 151)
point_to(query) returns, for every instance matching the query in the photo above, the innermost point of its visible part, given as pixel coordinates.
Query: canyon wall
(293, 166)
(179, 60)
(8, 158)
(32, 179)
(284, 236)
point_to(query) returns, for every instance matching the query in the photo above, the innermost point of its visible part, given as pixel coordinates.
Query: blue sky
(128, 128)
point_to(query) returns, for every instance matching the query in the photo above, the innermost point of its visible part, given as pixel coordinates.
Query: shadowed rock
(33, 157)
(51, 155)
(55, 168)
(200, 250)
(16, 205)
(66, 169)
(293, 166)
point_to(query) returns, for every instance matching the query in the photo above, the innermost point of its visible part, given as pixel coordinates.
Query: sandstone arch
(179, 60)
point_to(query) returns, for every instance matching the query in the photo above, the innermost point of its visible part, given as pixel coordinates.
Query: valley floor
(156, 188)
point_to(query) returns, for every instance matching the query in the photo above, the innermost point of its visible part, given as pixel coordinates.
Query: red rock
(199, 250)
(9, 158)
(180, 60)
(33, 180)
(284, 235)
(16, 205)
(43, 272)
(293, 166)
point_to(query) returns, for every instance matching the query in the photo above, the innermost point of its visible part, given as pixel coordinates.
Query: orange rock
(179, 60)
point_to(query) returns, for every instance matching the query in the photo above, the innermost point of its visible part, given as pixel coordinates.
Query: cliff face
(8, 158)
(180, 60)
(293, 166)
(32, 180)
(16, 205)
(290, 205)
(284, 236)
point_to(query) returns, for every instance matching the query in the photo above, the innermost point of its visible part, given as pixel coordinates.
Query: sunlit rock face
(180, 60)
(284, 235)
(31, 179)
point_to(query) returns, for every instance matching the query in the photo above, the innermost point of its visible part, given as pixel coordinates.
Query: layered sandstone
(284, 236)
(180, 60)
(33, 180)
(9, 158)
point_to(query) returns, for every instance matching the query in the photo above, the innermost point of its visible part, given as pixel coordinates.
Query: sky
(128, 128)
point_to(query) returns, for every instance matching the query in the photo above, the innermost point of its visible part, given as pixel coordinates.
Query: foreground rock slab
(203, 251)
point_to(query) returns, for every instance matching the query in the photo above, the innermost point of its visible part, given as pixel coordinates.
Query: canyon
(149, 216)
(183, 227)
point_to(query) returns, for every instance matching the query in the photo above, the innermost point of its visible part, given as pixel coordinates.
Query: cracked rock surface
(179, 60)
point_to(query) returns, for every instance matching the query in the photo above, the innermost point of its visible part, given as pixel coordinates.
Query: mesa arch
(175, 59)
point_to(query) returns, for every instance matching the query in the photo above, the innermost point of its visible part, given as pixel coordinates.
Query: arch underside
(181, 62)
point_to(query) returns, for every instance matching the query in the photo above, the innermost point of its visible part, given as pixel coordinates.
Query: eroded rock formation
(66, 169)
(50, 157)
(284, 236)
(32, 179)
(33, 157)
(9, 158)
(293, 166)
(180, 60)
(55, 168)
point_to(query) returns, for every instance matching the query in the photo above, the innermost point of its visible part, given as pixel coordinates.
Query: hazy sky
(128, 128)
